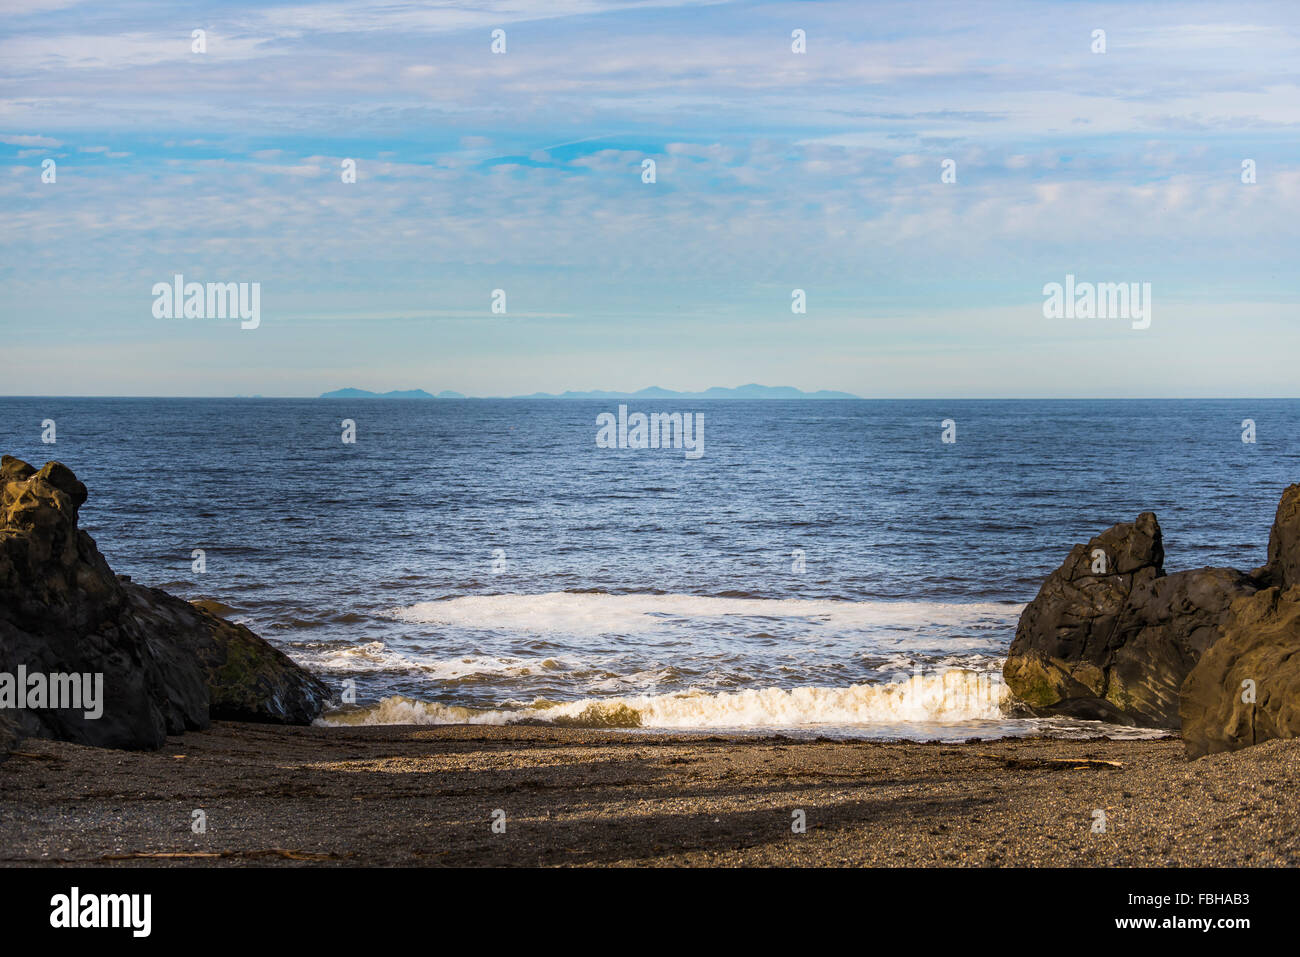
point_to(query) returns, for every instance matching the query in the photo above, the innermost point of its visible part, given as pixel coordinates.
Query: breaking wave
(950, 697)
(597, 613)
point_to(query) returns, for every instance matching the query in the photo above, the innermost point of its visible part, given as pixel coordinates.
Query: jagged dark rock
(168, 666)
(1246, 688)
(1111, 637)
(1283, 568)
(1167, 626)
(1064, 644)
(1214, 651)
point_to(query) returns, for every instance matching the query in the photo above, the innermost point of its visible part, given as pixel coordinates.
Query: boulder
(1167, 626)
(1059, 660)
(1111, 637)
(247, 678)
(1246, 687)
(167, 666)
(1283, 568)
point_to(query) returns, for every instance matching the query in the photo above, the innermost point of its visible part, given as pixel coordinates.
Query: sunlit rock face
(164, 665)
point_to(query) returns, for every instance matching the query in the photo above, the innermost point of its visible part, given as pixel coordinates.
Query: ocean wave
(601, 613)
(949, 697)
(378, 657)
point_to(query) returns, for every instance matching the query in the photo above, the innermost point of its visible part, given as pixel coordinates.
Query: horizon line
(809, 397)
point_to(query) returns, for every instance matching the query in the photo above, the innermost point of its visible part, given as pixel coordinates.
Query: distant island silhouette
(752, 391)
(396, 394)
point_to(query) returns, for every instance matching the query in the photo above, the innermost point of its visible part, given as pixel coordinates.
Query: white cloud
(28, 140)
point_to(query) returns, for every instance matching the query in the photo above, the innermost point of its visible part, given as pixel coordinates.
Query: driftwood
(290, 855)
(1063, 763)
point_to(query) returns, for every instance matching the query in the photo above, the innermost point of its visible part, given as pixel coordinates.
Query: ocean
(825, 567)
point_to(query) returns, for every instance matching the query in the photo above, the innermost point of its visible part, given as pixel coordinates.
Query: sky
(775, 170)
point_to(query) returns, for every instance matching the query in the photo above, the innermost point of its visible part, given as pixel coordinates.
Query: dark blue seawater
(483, 560)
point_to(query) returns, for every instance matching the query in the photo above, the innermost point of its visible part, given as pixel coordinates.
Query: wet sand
(425, 796)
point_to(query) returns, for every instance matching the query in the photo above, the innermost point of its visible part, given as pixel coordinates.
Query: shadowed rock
(1060, 658)
(1111, 637)
(1246, 688)
(1166, 628)
(1283, 568)
(167, 666)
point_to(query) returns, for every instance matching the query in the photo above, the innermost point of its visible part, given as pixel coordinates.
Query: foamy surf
(599, 613)
(951, 697)
(375, 656)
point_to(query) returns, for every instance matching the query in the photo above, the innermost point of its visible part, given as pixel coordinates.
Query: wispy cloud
(524, 171)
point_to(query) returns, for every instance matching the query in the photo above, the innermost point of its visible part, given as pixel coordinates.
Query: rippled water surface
(826, 566)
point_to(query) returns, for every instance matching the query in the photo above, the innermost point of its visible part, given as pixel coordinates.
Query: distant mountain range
(653, 392)
(399, 394)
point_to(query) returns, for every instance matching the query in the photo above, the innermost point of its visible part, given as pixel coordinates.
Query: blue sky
(775, 171)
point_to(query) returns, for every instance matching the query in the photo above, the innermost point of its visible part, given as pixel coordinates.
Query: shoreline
(413, 795)
(617, 715)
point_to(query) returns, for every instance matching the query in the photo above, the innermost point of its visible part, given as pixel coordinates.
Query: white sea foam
(600, 614)
(949, 697)
(371, 656)
(377, 656)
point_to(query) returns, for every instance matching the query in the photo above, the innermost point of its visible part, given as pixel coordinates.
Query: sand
(426, 796)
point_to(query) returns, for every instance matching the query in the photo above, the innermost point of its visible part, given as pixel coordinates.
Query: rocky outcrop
(1246, 688)
(247, 679)
(1167, 626)
(1283, 568)
(1111, 637)
(1214, 652)
(167, 665)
